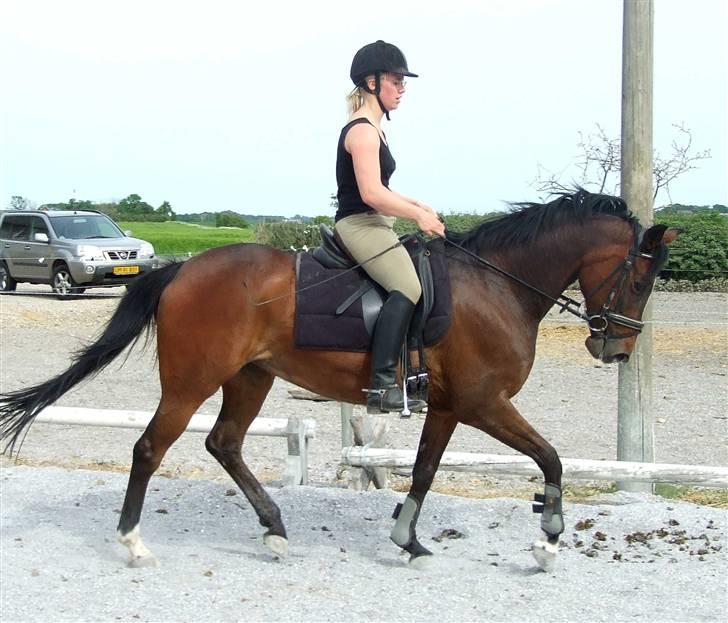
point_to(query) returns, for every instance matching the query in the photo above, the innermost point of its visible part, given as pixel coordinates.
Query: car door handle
(27, 247)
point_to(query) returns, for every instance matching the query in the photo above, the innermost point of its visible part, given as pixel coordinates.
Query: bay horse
(212, 332)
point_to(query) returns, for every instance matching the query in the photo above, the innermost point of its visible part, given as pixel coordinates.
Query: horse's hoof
(423, 562)
(140, 562)
(545, 554)
(277, 544)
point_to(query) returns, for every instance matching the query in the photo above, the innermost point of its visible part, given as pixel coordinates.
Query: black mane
(527, 221)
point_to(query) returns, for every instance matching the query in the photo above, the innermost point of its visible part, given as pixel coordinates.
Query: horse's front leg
(503, 422)
(436, 434)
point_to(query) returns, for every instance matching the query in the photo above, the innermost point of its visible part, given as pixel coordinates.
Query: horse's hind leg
(168, 423)
(503, 422)
(243, 395)
(435, 436)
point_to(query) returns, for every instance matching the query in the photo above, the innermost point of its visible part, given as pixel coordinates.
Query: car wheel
(7, 283)
(63, 284)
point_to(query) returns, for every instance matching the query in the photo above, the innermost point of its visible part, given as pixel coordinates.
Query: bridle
(598, 323)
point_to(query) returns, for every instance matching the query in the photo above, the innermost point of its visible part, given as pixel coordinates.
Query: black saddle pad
(318, 327)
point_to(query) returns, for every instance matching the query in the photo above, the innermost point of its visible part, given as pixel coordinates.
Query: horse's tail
(135, 313)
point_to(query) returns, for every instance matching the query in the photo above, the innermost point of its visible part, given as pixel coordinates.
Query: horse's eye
(638, 287)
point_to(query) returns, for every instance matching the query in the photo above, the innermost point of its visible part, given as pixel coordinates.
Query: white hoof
(421, 563)
(545, 554)
(141, 562)
(277, 544)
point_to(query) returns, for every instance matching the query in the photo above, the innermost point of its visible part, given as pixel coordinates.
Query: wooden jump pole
(519, 465)
(297, 431)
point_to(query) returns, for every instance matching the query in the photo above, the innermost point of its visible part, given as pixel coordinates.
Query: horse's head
(616, 284)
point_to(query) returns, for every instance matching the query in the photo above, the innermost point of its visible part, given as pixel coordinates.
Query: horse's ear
(657, 235)
(670, 235)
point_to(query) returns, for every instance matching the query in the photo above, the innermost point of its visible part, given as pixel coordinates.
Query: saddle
(337, 303)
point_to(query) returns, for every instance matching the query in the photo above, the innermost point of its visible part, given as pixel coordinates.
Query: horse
(505, 275)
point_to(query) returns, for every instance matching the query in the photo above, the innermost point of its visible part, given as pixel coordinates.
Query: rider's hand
(424, 206)
(430, 224)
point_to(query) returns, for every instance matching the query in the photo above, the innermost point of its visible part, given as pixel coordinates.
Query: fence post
(297, 461)
(635, 435)
(347, 437)
(368, 432)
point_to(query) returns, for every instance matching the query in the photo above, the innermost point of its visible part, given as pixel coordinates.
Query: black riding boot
(389, 334)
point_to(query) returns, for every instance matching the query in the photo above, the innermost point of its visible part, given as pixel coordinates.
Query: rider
(368, 209)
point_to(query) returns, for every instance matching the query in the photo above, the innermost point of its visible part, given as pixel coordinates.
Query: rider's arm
(362, 142)
(416, 202)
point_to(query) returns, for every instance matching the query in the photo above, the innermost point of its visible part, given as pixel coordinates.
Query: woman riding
(368, 209)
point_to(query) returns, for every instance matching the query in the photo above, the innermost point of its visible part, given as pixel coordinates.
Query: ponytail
(355, 100)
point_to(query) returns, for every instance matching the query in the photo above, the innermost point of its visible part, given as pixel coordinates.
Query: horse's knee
(422, 477)
(144, 454)
(222, 451)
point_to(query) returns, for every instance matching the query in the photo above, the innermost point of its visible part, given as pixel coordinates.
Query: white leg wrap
(401, 532)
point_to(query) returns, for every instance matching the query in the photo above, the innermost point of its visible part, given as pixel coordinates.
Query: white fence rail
(707, 476)
(297, 431)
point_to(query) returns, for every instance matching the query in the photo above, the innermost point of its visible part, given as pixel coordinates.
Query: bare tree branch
(600, 160)
(666, 170)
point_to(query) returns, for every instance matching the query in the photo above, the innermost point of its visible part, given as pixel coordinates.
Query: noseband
(598, 323)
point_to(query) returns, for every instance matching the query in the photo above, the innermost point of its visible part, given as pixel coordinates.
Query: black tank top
(348, 196)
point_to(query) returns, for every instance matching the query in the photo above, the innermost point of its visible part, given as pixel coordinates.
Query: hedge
(698, 258)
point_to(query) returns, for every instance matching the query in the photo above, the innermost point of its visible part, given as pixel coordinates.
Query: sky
(228, 105)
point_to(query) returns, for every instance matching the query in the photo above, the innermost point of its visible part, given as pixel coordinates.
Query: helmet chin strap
(377, 89)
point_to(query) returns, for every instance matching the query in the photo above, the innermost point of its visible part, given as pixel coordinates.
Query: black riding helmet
(377, 58)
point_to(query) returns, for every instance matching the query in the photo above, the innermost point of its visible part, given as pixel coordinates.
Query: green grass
(172, 238)
(696, 495)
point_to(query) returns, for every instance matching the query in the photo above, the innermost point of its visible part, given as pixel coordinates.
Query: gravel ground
(649, 560)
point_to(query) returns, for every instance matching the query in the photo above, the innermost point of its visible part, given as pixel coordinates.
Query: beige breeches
(365, 235)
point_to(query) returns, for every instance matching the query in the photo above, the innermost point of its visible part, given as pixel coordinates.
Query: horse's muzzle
(607, 351)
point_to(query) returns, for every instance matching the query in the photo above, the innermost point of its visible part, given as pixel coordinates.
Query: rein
(564, 302)
(597, 323)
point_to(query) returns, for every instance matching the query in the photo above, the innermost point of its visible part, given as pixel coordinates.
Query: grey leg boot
(390, 331)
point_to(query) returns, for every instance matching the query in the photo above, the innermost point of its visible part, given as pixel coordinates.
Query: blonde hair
(355, 99)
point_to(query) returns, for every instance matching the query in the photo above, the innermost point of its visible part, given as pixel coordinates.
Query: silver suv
(69, 250)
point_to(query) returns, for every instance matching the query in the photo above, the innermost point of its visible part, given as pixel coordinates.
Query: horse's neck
(550, 264)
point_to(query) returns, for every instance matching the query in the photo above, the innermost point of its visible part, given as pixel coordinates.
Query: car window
(16, 227)
(81, 227)
(5, 228)
(39, 227)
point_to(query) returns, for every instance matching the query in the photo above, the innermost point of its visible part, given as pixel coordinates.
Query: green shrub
(288, 235)
(453, 222)
(230, 219)
(700, 252)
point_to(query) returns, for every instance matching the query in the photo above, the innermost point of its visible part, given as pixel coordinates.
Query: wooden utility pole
(635, 434)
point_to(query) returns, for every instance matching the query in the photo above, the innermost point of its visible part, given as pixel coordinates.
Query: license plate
(126, 270)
